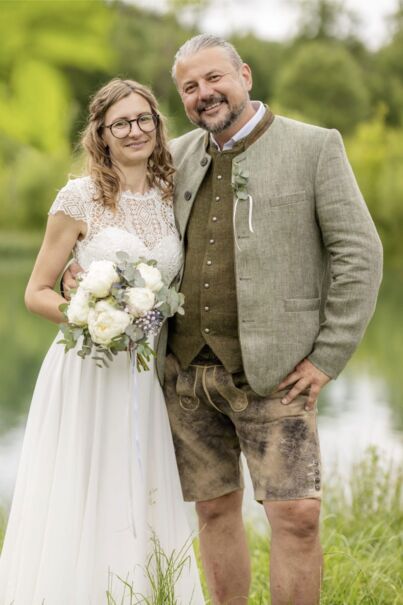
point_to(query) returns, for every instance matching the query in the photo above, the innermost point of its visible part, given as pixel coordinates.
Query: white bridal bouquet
(116, 306)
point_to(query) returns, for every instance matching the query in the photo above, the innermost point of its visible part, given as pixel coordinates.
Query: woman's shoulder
(74, 197)
(78, 185)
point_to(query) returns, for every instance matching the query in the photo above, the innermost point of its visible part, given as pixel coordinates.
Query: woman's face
(135, 146)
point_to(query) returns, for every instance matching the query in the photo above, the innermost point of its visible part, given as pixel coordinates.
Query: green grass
(362, 537)
(161, 570)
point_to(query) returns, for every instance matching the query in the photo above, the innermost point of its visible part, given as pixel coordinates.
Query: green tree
(40, 42)
(376, 154)
(325, 84)
(325, 20)
(388, 68)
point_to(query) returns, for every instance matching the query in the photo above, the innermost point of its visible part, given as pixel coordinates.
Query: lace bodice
(142, 225)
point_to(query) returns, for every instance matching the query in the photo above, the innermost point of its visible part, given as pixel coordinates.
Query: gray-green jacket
(307, 255)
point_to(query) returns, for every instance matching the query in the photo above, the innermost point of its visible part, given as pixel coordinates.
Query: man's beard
(226, 122)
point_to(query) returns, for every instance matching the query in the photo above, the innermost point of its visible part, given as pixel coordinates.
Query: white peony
(151, 276)
(99, 278)
(105, 322)
(139, 301)
(78, 309)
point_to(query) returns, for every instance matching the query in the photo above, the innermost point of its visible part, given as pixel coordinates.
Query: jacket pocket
(288, 199)
(301, 304)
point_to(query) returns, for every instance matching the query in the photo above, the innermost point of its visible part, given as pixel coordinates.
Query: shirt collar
(246, 129)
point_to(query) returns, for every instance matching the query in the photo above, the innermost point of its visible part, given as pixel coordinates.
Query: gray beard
(225, 123)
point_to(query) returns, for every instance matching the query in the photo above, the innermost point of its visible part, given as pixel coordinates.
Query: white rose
(99, 278)
(139, 301)
(105, 322)
(78, 309)
(151, 276)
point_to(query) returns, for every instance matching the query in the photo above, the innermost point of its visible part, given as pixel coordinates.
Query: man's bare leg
(296, 555)
(224, 550)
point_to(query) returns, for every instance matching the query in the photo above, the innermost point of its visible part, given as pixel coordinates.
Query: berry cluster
(151, 322)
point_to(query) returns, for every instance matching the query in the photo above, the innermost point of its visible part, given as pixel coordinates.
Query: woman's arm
(60, 237)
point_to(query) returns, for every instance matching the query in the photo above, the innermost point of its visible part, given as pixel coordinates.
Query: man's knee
(298, 518)
(220, 508)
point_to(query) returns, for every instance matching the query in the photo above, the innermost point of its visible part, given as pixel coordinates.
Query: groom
(282, 269)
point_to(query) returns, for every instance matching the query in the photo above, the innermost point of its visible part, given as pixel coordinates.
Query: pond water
(363, 407)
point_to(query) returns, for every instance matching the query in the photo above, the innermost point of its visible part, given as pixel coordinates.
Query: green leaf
(123, 257)
(134, 332)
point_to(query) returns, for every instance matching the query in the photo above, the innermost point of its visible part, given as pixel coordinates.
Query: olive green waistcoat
(208, 282)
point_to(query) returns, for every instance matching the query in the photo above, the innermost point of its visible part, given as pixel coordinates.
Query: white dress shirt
(245, 130)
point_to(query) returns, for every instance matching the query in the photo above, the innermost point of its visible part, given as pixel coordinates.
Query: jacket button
(188, 195)
(207, 330)
(204, 162)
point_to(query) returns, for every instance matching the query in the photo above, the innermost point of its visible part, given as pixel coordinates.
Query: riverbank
(362, 537)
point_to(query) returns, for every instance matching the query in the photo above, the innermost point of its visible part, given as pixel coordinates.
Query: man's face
(215, 95)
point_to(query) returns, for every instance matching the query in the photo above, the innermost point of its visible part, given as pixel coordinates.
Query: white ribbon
(250, 225)
(135, 435)
(250, 198)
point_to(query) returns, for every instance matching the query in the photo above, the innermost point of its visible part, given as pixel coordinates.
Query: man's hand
(69, 279)
(305, 375)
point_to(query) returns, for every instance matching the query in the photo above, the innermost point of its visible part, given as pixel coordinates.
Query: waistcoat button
(188, 195)
(207, 330)
(204, 162)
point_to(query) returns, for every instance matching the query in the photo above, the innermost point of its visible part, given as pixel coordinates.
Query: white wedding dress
(98, 483)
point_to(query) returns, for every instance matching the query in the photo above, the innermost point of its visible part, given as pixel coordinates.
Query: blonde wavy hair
(100, 165)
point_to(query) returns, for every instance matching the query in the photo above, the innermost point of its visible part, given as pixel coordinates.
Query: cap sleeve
(71, 201)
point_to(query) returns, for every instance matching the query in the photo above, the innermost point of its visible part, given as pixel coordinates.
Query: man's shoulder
(188, 142)
(297, 128)
(298, 138)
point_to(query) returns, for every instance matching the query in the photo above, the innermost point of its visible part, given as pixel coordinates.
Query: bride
(97, 502)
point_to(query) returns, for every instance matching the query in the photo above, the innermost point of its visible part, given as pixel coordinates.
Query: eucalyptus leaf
(134, 332)
(123, 256)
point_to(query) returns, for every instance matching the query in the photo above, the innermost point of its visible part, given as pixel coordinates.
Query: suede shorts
(215, 415)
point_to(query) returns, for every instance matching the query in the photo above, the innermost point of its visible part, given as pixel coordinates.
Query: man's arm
(355, 254)
(69, 278)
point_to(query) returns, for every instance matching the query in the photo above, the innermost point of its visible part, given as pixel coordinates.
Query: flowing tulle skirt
(97, 491)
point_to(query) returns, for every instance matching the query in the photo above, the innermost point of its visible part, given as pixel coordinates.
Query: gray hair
(201, 42)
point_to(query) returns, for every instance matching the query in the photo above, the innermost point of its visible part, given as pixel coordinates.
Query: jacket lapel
(189, 177)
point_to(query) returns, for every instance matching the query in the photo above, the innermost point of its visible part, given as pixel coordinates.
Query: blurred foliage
(55, 54)
(329, 73)
(325, 20)
(376, 152)
(41, 45)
